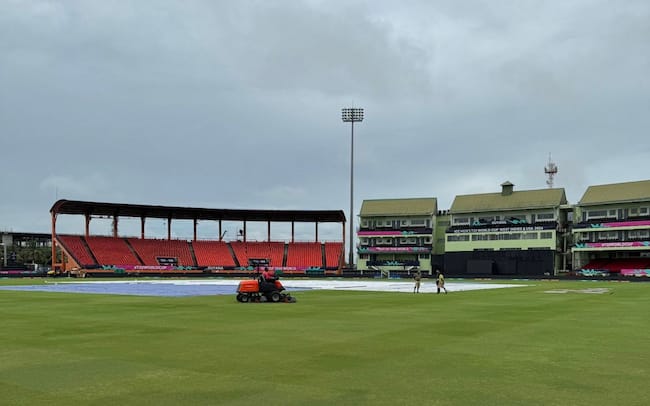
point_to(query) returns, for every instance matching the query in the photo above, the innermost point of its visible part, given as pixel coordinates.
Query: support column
(142, 220)
(169, 228)
(317, 231)
(115, 221)
(53, 242)
(343, 254)
(195, 222)
(87, 225)
(343, 232)
(244, 236)
(220, 233)
(268, 231)
(293, 229)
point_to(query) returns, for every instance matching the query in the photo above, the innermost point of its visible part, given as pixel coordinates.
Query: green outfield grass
(517, 346)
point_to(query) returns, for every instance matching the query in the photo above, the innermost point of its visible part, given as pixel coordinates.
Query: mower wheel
(244, 298)
(275, 297)
(239, 297)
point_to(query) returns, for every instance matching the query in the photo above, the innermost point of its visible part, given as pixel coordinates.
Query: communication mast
(550, 170)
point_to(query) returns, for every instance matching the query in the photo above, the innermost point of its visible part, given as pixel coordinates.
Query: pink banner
(364, 233)
(615, 244)
(625, 224)
(147, 267)
(635, 272)
(394, 249)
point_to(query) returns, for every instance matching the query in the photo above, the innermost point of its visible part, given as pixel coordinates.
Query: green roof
(399, 207)
(617, 192)
(517, 200)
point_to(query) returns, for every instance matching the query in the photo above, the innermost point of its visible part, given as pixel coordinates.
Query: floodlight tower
(352, 115)
(4, 248)
(550, 170)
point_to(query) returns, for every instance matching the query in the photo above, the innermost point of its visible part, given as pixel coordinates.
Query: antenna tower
(550, 170)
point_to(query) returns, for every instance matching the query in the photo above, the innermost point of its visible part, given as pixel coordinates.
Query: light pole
(352, 115)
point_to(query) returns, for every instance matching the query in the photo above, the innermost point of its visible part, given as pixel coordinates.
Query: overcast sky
(237, 104)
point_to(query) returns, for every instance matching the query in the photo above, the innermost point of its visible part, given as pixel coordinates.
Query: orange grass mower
(258, 290)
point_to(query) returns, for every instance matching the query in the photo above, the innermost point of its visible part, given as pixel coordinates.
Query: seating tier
(305, 254)
(212, 253)
(273, 251)
(150, 250)
(76, 247)
(333, 253)
(111, 251)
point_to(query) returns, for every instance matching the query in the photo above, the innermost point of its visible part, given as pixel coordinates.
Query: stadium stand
(615, 265)
(112, 251)
(151, 250)
(86, 255)
(305, 254)
(333, 254)
(276, 253)
(273, 251)
(213, 253)
(76, 247)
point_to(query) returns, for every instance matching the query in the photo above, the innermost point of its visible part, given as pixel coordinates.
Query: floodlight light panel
(352, 114)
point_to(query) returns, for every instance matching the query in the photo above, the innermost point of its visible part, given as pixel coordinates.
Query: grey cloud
(237, 104)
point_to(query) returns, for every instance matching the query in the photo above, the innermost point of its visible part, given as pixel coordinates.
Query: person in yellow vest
(440, 281)
(417, 276)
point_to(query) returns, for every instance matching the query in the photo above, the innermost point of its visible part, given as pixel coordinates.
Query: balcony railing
(393, 249)
(394, 230)
(612, 223)
(393, 263)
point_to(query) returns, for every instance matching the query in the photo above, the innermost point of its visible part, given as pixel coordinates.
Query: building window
(417, 222)
(479, 237)
(461, 221)
(601, 214)
(529, 236)
(608, 235)
(596, 214)
(459, 237)
(638, 211)
(545, 217)
(545, 235)
(638, 234)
